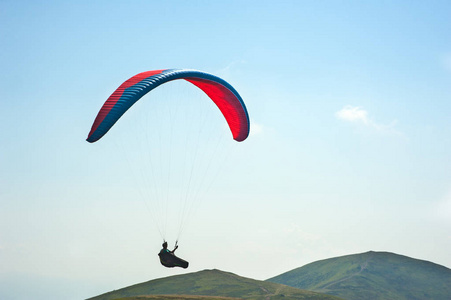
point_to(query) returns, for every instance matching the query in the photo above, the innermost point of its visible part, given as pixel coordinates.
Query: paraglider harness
(169, 260)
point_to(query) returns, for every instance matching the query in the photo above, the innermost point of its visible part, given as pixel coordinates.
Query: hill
(372, 275)
(176, 297)
(212, 284)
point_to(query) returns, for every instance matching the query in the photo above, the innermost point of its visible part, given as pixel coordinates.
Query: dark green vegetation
(177, 297)
(212, 283)
(372, 275)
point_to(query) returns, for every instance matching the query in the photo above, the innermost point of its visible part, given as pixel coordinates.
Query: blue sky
(349, 151)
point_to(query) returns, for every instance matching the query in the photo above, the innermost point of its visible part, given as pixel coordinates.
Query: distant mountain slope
(372, 275)
(212, 283)
(177, 297)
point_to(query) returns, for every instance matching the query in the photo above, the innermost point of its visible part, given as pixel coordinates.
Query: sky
(349, 150)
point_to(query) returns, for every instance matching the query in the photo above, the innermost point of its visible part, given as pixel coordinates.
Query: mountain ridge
(212, 284)
(372, 275)
(369, 275)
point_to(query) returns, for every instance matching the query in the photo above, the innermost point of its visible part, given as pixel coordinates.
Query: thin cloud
(358, 115)
(353, 114)
(446, 61)
(227, 70)
(256, 129)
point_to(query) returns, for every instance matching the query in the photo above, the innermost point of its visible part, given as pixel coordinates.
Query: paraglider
(224, 96)
(168, 258)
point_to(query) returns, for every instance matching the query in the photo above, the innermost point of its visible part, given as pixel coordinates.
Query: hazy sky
(350, 146)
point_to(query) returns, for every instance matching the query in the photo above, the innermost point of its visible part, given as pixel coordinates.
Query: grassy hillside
(372, 275)
(177, 297)
(212, 283)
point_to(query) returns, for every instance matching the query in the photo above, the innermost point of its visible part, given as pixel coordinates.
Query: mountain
(372, 275)
(212, 284)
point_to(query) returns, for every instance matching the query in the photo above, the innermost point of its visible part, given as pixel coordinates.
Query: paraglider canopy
(220, 92)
